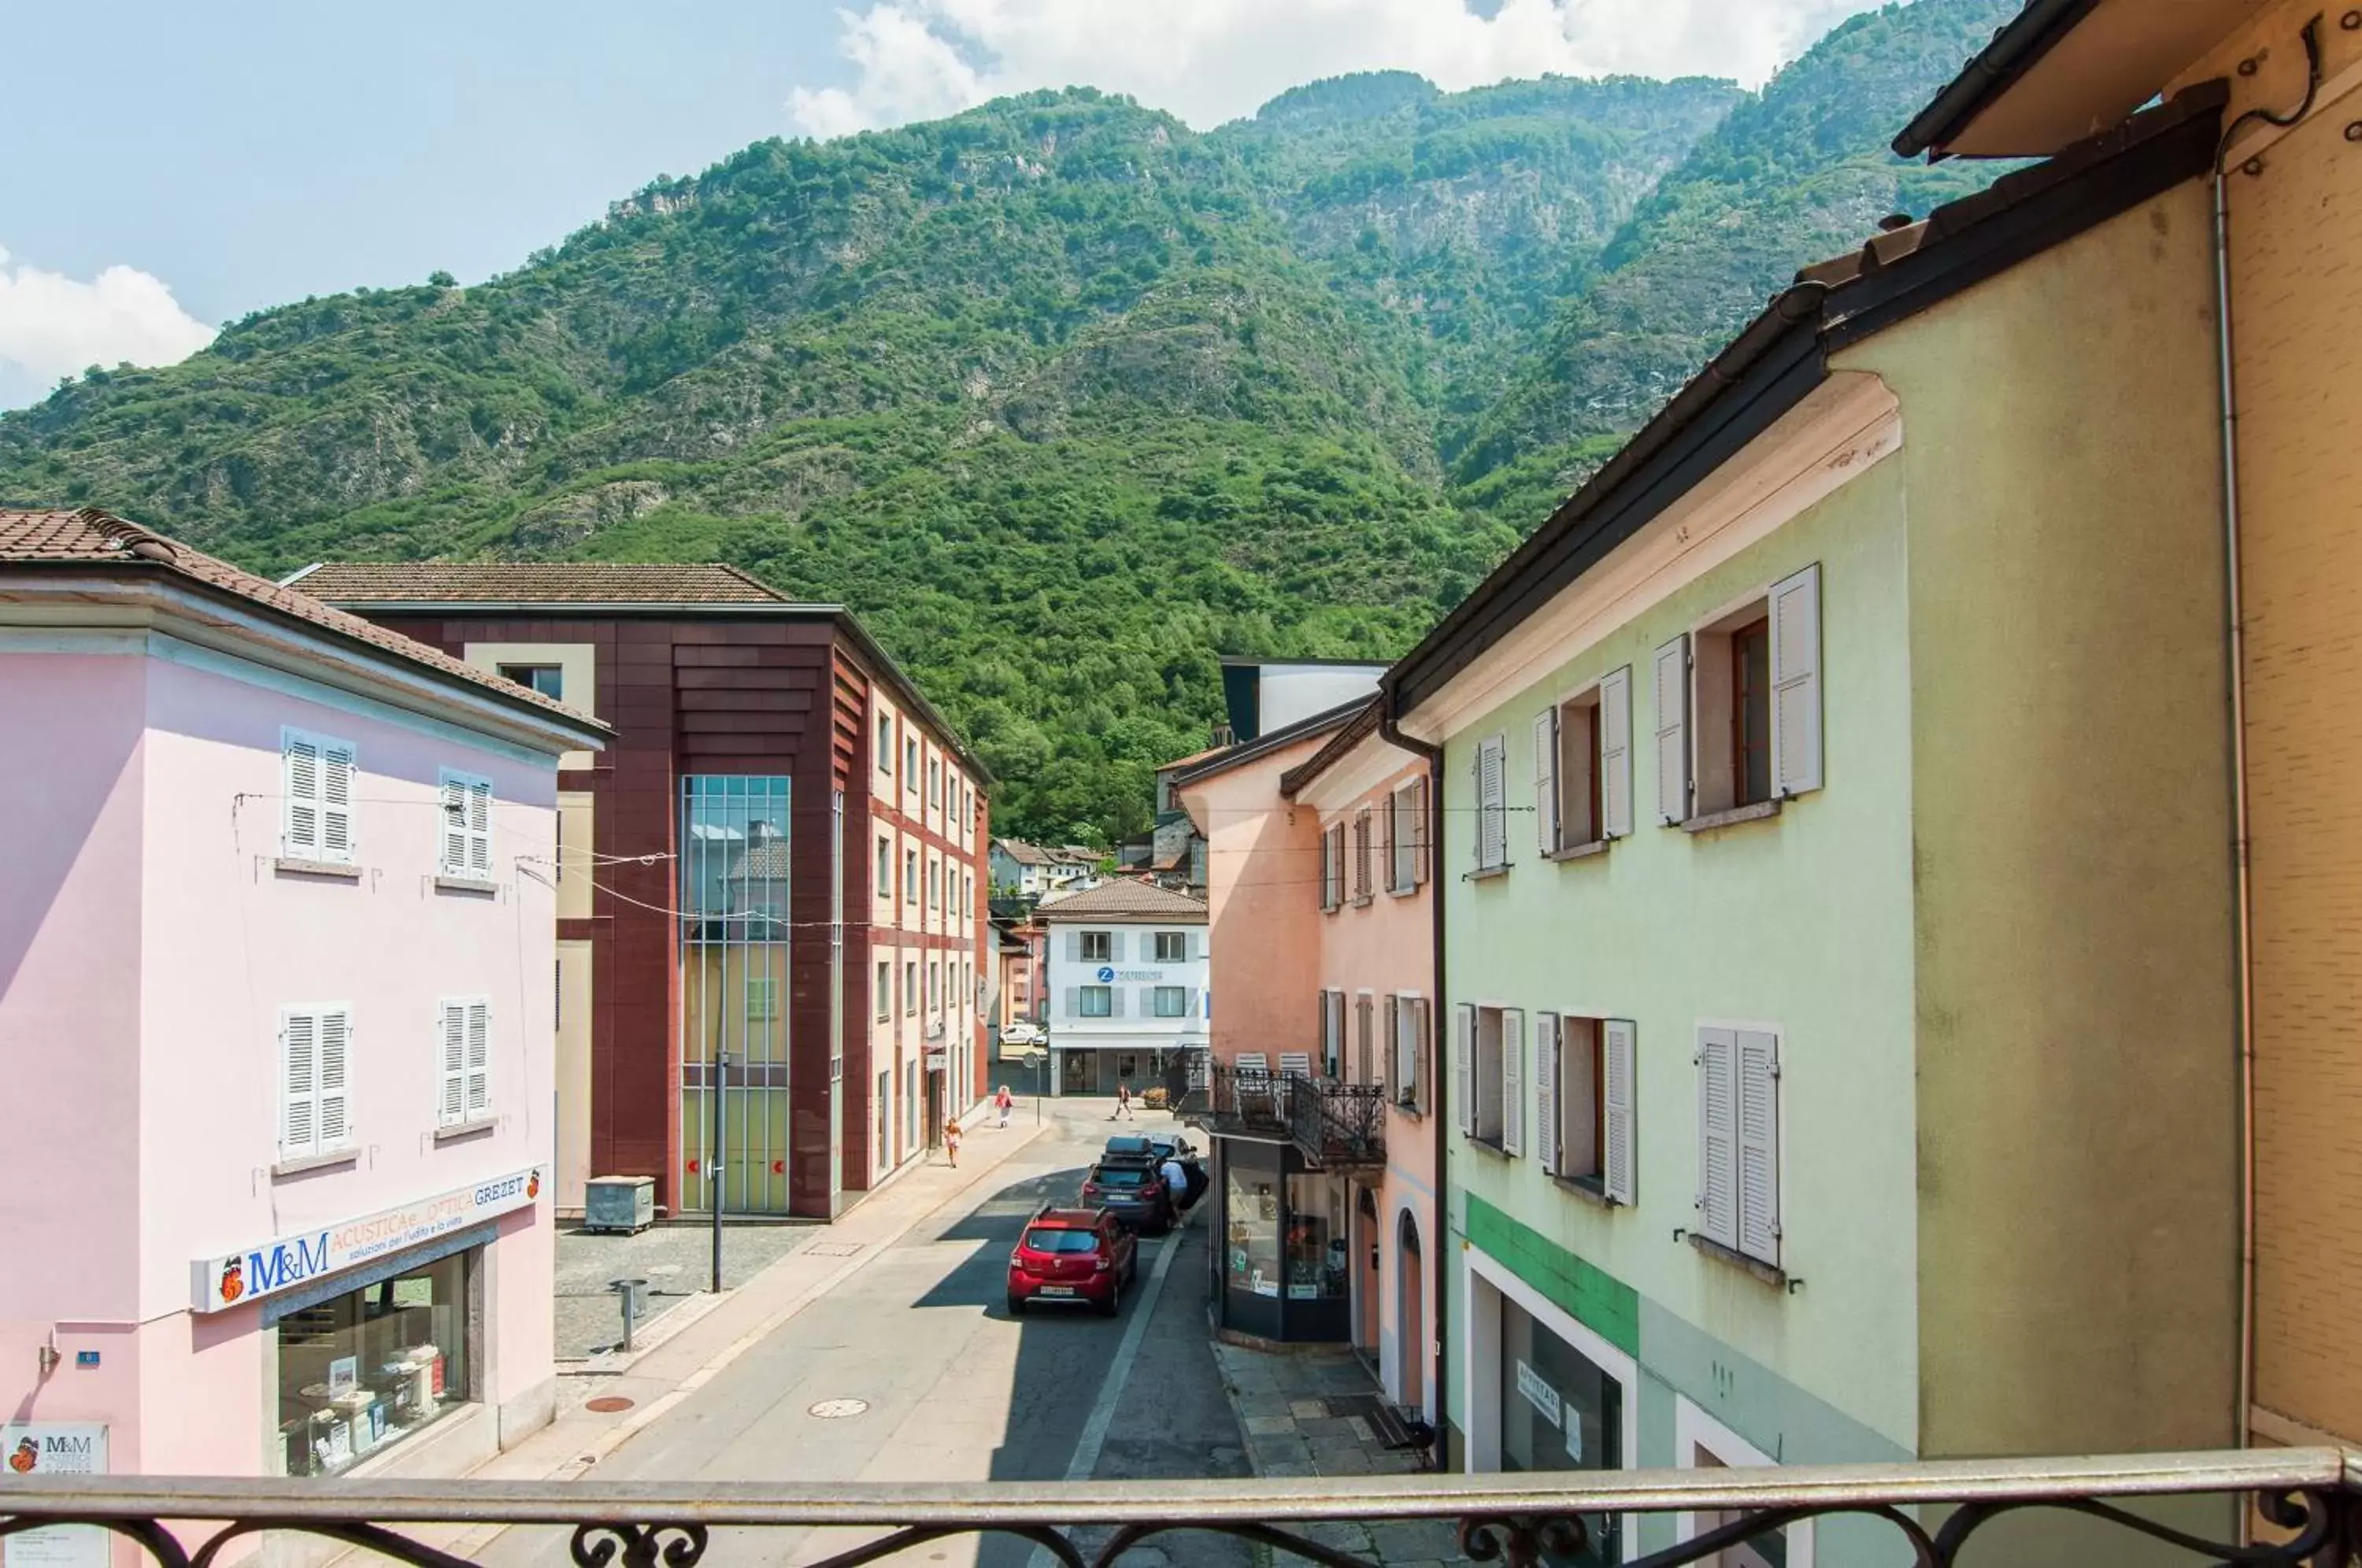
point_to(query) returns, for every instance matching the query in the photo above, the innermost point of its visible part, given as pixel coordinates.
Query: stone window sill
(295, 866)
(1581, 851)
(1486, 873)
(483, 885)
(1709, 821)
(1364, 902)
(1402, 892)
(1490, 1145)
(468, 1128)
(1767, 1273)
(1586, 1188)
(1409, 1108)
(309, 1163)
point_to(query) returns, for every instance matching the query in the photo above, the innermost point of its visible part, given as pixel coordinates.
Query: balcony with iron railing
(2303, 1502)
(1335, 1125)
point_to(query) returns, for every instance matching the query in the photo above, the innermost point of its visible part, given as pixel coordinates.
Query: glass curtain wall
(735, 937)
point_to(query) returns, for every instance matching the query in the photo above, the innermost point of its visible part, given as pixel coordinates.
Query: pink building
(1322, 943)
(276, 1022)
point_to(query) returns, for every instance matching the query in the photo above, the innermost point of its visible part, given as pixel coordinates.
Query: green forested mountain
(1062, 396)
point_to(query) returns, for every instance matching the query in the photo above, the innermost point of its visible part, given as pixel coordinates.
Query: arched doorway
(1410, 1347)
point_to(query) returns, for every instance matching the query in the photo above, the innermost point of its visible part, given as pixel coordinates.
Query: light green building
(1837, 903)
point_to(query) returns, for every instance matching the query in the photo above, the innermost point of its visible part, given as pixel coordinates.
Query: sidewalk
(1307, 1413)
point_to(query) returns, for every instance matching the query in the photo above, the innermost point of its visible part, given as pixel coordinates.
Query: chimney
(1223, 736)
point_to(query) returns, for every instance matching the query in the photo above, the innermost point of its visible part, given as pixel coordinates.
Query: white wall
(1135, 976)
(1293, 691)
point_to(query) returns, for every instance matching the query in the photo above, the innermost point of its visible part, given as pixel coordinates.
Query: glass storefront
(1286, 1233)
(364, 1370)
(735, 865)
(1560, 1411)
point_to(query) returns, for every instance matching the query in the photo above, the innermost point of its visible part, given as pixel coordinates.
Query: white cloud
(1211, 60)
(53, 326)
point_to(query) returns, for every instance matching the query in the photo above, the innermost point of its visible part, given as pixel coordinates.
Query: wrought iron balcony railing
(2307, 1498)
(1334, 1124)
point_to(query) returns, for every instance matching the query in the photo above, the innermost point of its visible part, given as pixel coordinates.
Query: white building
(1031, 870)
(1127, 987)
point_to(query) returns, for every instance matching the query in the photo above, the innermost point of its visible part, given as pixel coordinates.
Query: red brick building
(773, 879)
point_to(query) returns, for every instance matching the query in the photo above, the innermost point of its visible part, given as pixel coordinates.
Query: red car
(1071, 1254)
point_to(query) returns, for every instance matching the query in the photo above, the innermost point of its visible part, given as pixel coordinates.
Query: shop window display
(1560, 1411)
(1253, 1243)
(361, 1371)
(1317, 1233)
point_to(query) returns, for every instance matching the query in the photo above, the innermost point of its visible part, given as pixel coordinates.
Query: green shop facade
(1836, 929)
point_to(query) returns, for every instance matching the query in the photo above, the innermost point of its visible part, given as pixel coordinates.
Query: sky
(187, 164)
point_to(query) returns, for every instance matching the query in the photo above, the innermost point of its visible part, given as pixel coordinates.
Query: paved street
(910, 1368)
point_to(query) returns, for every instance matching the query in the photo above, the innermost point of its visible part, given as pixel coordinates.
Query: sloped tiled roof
(1123, 899)
(530, 582)
(96, 539)
(1023, 853)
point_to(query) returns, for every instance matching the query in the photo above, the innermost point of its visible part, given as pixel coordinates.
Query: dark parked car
(1133, 1191)
(1154, 1149)
(1071, 1254)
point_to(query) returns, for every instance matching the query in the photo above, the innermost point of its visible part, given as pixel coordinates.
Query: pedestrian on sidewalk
(1002, 1101)
(1122, 1102)
(951, 1141)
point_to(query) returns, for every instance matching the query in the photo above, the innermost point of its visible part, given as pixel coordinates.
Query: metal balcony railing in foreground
(1933, 1512)
(1333, 1124)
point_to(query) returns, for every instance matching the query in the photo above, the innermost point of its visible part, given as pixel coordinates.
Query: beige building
(2286, 253)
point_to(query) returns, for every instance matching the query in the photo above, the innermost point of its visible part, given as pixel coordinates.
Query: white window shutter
(1673, 717)
(453, 807)
(1463, 1067)
(335, 801)
(1615, 754)
(1547, 1038)
(1075, 948)
(299, 1083)
(1796, 683)
(1421, 868)
(335, 1063)
(1759, 1145)
(1513, 1081)
(1717, 1201)
(453, 1105)
(1617, 1122)
(1546, 782)
(1115, 1001)
(1491, 806)
(480, 1059)
(1073, 1002)
(480, 828)
(1115, 947)
(300, 783)
(1327, 870)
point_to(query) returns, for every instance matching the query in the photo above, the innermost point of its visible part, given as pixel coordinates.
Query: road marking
(1094, 1431)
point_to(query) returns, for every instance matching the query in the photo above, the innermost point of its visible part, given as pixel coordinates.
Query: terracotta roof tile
(531, 582)
(101, 539)
(1124, 899)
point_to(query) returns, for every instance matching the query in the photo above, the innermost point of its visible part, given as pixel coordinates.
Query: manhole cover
(837, 1410)
(608, 1404)
(834, 1248)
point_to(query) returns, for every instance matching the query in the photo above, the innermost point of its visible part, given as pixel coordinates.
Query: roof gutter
(2018, 45)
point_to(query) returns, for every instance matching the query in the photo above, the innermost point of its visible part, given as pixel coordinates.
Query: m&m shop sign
(282, 1262)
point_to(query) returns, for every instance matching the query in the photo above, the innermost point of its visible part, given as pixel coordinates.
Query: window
(1361, 855)
(885, 991)
(465, 828)
(1098, 946)
(1096, 1001)
(467, 1048)
(1408, 806)
(1171, 947)
(910, 763)
(1583, 1101)
(1488, 1060)
(1739, 1140)
(911, 876)
(1332, 867)
(935, 781)
(1738, 705)
(316, 780)
(1583, 768)
(314, 1055)
(911, 989)
(1406, 1024)
(885, 745)
(363, 1370)
(885, 866)
(547, 678)
(762, 999)
(1491, 806)
(886, 1118)
(1171, 1002)
(1365, 1050)
(1332, 1034)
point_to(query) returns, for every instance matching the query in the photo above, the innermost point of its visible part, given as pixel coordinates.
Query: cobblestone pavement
(675, 1258)
(1307, 1413)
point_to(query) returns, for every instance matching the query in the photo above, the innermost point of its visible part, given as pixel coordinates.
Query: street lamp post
(721, 1077)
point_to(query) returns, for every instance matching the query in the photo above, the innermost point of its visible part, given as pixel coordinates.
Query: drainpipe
(2236, 654)
(1440, 1019)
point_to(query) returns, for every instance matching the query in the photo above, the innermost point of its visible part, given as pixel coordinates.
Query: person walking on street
(951, 1141)
(1123, 1101)
(1002, 1101)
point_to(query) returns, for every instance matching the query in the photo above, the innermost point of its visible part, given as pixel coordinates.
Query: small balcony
(1335, 1126)
(2305, 1501)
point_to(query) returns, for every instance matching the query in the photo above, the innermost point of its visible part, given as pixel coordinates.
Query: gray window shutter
(1547, 1041)
(1115, 947)
(1075, 945)
(1492, 805)
(1463, 1068)
(1759, 1145)
(1717, 1199)
(1615, 754)
(1796, 683)
(1673, 717)
(1422, 867)
(1394, 1074)
(1616, 1157)
(1513, 1081)
(1115, 1001)
(1546, 780)
(1073, 1002)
